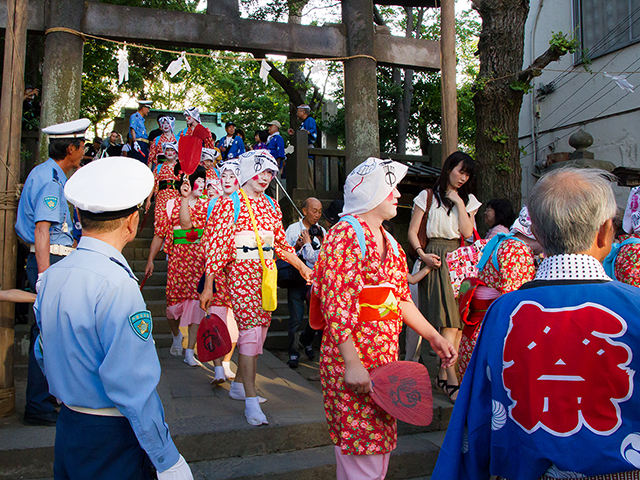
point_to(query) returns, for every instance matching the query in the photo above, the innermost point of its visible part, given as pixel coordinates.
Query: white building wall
(584, 100)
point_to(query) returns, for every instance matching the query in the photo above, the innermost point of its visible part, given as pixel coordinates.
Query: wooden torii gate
(221, 28)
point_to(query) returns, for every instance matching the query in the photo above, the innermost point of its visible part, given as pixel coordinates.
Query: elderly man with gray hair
(549, 392)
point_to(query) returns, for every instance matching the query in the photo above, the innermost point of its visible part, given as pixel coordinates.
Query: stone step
(154, 292)
(415, 455)
(210, 431)
(138, 266)
(158, 278)
(158, 308)
(136, 253)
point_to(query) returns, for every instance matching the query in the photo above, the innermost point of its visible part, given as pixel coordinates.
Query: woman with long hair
(498, 216)
(450, 215)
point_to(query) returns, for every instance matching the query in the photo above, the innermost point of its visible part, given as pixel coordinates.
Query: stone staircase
(209, 428)
(154, 292)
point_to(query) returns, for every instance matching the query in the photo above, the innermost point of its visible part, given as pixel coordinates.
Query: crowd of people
(536, 348)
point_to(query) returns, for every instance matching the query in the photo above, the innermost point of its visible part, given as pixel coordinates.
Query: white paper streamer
(123, 65)
(265, 68)
(621, 81)
(178, 64)
(320, 68)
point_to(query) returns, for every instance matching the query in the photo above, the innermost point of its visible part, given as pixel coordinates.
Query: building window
(605, 26)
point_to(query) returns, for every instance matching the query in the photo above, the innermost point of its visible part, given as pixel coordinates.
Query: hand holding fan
(403, 390)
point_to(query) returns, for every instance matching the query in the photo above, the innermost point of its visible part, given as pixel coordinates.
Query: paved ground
(208, 426)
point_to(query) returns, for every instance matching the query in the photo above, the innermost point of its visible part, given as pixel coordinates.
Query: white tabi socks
(218, 376)
(236, 392)
(253, 413)
(190, 359)
(176, 345)
(227, 370)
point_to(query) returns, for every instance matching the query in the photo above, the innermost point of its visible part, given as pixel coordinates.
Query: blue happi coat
(551, 386)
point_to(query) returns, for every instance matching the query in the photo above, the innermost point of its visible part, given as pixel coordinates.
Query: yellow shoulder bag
(269, 275)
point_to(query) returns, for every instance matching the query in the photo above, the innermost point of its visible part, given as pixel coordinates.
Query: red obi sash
(377, 302)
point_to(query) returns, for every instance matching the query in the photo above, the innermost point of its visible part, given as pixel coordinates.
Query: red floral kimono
(186, 261)
(242, 278)
(356, 424)
(627, 267)
(206, 143)
(163, 195)
(516, 263)
(155, 148)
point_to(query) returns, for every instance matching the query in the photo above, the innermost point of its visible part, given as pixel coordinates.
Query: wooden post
(61, 67)
(360, 85)
(448, 78)
(10, 126)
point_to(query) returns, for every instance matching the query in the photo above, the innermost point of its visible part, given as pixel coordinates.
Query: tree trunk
(403, 102)
(497, 104)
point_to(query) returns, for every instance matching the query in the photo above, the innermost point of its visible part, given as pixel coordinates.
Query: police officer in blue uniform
(45, 224)
(138, 131)
(96, 345)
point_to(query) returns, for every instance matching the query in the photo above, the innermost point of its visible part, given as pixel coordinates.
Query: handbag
(423, 240)
(269, 275)
(288, 275)
(463, 261)
(214, 340)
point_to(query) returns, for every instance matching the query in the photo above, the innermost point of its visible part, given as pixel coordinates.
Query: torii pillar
(360, 87)
(62, 67)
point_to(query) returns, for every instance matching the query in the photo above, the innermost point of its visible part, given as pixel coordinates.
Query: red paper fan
(201, 132)
(403, 390)
(189, 153)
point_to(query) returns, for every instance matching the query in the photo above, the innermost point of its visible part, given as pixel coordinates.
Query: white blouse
(439, 224)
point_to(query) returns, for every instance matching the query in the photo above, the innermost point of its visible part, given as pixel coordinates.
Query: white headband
(193, 112)
(254, 162)
(370, 183)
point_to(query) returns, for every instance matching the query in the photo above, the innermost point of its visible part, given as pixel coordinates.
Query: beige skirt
(436, 300)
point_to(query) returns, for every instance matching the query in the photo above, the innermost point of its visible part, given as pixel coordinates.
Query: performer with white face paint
(167, 124)
(362, 333)
(221, 304)
(231, 249)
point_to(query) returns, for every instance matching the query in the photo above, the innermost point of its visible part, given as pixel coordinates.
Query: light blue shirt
(136, 121)
(43, 200)
(310, 126)
(91, 352)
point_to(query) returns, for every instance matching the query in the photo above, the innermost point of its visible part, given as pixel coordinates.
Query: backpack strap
(235, 198)
(490, 250)
(212, 204)
(353, 221)
(393, 242)
(273, 205)
(609, 263)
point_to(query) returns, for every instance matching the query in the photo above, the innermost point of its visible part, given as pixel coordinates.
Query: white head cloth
(631, 220)
(210, 154)
(523, 224)
(193, 112)
(232, 166)
(170, 120)
(166, 145)
(370, 183)
(255, 162)
(109, 185)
